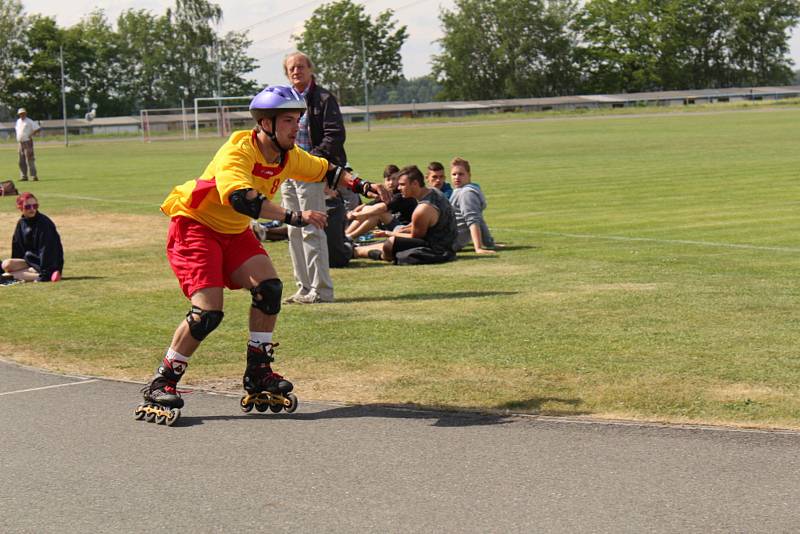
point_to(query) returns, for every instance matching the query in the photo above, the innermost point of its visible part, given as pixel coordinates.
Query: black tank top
(442, 235)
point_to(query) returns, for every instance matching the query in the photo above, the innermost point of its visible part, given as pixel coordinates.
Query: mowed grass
(650, 272)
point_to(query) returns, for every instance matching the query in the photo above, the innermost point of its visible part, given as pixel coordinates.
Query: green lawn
(650, 273)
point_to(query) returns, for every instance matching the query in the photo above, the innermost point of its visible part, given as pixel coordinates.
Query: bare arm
(422, 219)
(477, 239)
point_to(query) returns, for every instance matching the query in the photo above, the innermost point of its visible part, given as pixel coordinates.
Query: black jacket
(36, 240)
(326, 125)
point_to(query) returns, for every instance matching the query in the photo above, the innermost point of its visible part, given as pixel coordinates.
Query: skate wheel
(139, 413)
(293, 402)
(150, 416)
(246, 406)
(173, 416)
(161, 417)
(275, 408)
(262, 407)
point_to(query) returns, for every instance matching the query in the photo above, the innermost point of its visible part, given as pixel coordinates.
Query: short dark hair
(435, 166)
(413, 173)
(390, 170)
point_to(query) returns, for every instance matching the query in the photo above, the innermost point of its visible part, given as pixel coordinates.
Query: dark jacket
(326, 125)
(36, 240)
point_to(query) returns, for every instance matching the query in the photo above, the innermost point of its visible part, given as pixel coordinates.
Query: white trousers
(308, 246)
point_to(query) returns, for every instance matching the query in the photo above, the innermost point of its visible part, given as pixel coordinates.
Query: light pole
(366, 90)
(184, 93)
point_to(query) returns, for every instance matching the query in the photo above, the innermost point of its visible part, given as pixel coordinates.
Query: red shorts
(201, 257)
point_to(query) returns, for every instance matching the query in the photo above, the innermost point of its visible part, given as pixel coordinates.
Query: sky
(271, 24)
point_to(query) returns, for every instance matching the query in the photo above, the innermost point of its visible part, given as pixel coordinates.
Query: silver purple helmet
(273, 100)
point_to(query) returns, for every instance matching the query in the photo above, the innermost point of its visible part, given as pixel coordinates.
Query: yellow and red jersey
(238, 164)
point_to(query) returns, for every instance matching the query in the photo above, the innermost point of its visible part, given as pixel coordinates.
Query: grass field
(650, 273)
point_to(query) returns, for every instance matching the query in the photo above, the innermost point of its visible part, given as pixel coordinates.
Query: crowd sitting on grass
(382, 215)
(394, 219)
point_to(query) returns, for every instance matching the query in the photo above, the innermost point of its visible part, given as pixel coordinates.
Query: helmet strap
(274, 139)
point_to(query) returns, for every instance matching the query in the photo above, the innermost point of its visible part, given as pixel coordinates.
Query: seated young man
(469, 203)
(435, 178)
(383, 215)
(430, 238)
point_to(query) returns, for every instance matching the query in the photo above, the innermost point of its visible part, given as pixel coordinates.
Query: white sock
(177, 361)
(259, 338)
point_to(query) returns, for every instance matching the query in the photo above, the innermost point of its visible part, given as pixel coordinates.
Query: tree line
(537, 48)
(490, 49)
(145, 61)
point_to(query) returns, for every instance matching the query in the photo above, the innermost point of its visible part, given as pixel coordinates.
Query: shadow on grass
(443, 419)
(504, 248)
(431, 296)
(73, 278)
(534, 406)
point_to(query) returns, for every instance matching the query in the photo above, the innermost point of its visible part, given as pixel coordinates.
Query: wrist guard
(361, 186)
(333, 175)
(294, 218)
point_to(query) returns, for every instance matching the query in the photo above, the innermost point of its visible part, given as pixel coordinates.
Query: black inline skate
(162, 402)
(265, 388)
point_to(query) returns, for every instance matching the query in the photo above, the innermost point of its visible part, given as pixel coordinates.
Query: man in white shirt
(26, 129)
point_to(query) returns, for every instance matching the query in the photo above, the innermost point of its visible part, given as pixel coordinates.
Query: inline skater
(210, 245)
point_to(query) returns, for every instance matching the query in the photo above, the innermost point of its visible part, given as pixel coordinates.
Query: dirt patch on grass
(84, 231)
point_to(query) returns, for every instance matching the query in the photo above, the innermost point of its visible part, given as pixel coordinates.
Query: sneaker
(311, 298)
(56, 276)
(366, 238)
(293, 298)
(35, 178)
(259, 230)
(23, 179)
(5, 281)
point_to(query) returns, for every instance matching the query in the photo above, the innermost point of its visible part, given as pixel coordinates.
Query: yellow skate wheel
(138, 413)
(293, 402)
(246, 406)
(173, 416)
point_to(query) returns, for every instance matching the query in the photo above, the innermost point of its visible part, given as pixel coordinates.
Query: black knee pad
(267, 296)
(209, 320)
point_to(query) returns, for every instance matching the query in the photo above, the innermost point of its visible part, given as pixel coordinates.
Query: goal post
(235, 110)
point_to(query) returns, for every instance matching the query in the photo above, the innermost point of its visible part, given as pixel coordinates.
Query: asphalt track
(73, 459)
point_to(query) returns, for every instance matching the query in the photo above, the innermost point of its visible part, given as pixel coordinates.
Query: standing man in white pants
(322, 134)
(26, 129)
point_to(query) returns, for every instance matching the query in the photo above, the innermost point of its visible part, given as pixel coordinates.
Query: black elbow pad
(249, 207)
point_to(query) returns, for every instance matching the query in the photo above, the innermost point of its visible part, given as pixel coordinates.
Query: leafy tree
(235, 63)
(37, 84)
(93, 69)
(646, 45)
(623, 45)
(508, 49)
(12, 30)
(192, 53)
(422, 89)
(760, 40)
(332, 38)
(143, 42)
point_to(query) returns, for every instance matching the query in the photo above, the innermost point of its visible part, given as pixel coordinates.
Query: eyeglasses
(31, 206)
